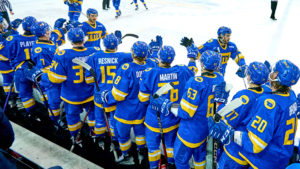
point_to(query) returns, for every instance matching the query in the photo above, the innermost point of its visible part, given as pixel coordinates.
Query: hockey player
(257, 75)
(152, 80)
(268, 140)
(94, 30)
(76, 94)
(195, 107)
(74, 9)
(226, 48)
(43, 52)
(116, 4)
(17, 50)
(106, 63)
(137, 6)
(129, 112)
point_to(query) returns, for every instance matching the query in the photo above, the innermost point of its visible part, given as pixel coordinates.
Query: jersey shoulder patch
(38, 50)
(9, 38)
(269, 103)
(61, 52)
(198, 79)
(125, 66)
(210, 40)
(97, 48)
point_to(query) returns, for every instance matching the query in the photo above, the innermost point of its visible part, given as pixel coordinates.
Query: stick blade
(230, 107)
(165, 88)
(82, 63)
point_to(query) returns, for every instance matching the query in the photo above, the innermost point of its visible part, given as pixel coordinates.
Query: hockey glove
(220, 131)
(33, 74)
(221, 95)
(118, 34)
(16, 23)
(161, 105)
(192, 51)
(59, 23)
(186, 41)
(75, 4)
(267, 63)
(155, 45)
(241, 72)
(298, 106)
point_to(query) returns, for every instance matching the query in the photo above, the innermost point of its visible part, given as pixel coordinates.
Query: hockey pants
(182, 155)
(153, 140)
(124, 135)
(73, 116)
(7, 80)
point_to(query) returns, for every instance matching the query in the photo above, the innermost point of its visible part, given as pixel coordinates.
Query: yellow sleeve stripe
(200, 165)
(157, 130)
(238, 58)
(258, 143)
(80, 2)
(58, 33)
(3, 58)
(78, 102)
(89, 80)
(188, 107)
(239, 161)
(110, 109)
(143, 97)
(98, 105)
(56, 78)
(188, 144)
(6, 71)
(118, 95)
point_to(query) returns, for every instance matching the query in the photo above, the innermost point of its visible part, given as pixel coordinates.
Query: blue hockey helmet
(40, 29)
(28, 22)
(110, 41)
(223, 30)
(258, 72)
(288, 73)
(166, 54)
(140, 49)
(211, 60)
(91, 11)
(76, 35)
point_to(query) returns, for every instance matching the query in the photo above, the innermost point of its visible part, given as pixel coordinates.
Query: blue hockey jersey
(74, 89)
(239, 118)
(94, 33)
(5, 67)
(152, 80)
(269, 140)
(195, 107)
(229, 51)
(17, 49)
(74, 5)
(125, 91)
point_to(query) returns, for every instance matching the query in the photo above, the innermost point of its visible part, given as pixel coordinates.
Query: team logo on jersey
(125, 66)
(9, 38)
(269, 103)
(61, 52)
(199, 79)
(245, 99)
(37, 50)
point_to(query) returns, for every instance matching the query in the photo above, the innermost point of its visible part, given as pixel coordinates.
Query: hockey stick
(131, 35)
(7, 97)
(92, 71)
(242, 78)
(157, 94)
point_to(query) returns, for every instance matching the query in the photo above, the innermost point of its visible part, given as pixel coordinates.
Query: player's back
(193, 126)
(155, 79)
(106, 65)
(43, 53)
(17, 48)
(274, 129)
(94, 33)
(74, 89)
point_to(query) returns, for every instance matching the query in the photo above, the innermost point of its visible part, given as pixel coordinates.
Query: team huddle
(119, 92)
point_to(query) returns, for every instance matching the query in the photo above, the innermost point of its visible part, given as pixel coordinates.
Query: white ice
(257, 36)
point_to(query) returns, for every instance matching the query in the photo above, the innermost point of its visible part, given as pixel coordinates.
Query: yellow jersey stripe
(191, 145)
(118, 95)
(165, 130)
(188, 107)
(78, 102)
(258, 143)
(143, 97)
(139, 121)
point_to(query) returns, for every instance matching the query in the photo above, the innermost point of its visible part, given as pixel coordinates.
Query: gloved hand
(186, 41)
(220, 131)
(69, 26)
(118, 34)
(241, 72)
(221, 95)
(66, 2)
(267, 63)
(298, 106)
(161, 105)
(59, 23)
(34, 74)
(100, 97)
(16, 23)
(155, 45)
(192, 51)
(75, 4)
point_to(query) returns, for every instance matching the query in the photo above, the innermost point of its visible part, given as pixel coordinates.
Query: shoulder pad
(198, 79)
(61, 52)
(148, 69)
(38, 50)
(245, 99)
(97, 48)
(125, 66)
(269, 103)
(9, 38)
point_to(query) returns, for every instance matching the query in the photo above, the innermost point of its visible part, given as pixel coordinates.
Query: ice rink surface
(257, 36)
